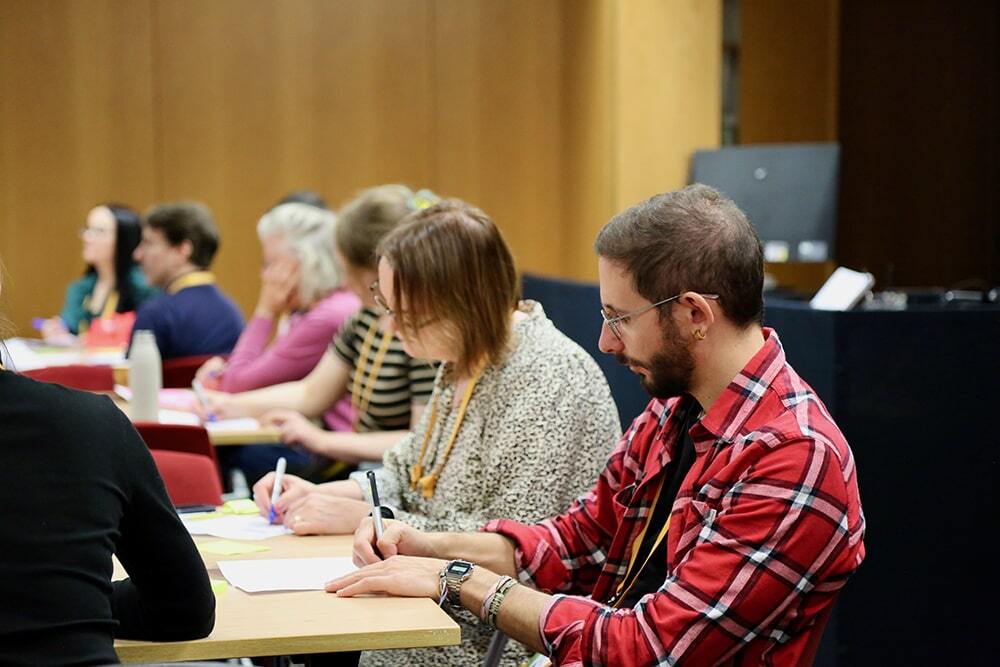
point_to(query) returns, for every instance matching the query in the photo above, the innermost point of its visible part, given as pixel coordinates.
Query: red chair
(178, 373)
(191, 479)
(178, 438)
(76, 376)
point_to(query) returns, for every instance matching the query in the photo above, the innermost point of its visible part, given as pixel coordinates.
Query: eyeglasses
(94, 232)
(614, 323)
(379, 299)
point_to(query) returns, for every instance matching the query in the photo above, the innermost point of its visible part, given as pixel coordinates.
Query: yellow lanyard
(428, 483)
(623, 589)
(110, 306)
(361, 394)
(193, 279)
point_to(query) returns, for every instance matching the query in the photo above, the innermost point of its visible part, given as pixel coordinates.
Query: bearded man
(728, 516)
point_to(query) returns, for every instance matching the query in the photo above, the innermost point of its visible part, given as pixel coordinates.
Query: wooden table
(265, 435)
(289, 623)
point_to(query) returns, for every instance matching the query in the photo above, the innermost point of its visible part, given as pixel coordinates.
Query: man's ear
(186, 248)
(696, 312)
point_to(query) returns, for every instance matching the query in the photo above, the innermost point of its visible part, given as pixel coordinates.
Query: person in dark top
(112, 282)
(194, 317)
(77, 485)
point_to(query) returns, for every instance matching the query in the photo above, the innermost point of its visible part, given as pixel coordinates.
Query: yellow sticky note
(229, 548)
(218, 587)
(241, 506)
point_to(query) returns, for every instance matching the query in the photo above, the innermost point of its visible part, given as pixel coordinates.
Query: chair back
(177, 438)
(575, 310)
(191, 479)
(76, 376)
(178, 373)
(815, 636)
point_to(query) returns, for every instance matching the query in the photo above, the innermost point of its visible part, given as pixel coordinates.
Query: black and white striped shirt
(402, 380)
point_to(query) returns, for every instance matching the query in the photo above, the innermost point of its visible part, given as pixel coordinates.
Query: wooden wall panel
(75, 130)
(788, 71)
(668, 94)
(551, 115)
(589, 182)
(642, 92)
(497, 136)
(258, 98)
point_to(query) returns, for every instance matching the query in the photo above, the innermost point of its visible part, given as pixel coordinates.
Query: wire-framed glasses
(380, 300)
(614, 323)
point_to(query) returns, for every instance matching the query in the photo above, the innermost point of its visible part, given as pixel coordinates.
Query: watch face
(459, 568)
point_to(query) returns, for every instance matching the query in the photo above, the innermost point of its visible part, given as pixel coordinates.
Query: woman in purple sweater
(301, 279)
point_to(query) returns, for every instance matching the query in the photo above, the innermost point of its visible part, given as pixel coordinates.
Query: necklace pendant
(416, 472)
(427, 484)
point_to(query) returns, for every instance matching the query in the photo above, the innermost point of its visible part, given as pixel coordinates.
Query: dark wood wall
(918, 124)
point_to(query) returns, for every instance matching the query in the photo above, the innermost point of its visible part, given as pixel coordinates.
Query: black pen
(376, 506)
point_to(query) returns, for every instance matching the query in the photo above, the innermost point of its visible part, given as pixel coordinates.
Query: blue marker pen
(279, 472)
(199, 392)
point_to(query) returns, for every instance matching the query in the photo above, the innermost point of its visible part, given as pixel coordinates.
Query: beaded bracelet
(505, 584)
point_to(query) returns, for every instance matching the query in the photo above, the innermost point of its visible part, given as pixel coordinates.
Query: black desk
(915, 392)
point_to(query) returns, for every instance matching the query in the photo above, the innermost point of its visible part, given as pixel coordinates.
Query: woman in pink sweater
(301, 280)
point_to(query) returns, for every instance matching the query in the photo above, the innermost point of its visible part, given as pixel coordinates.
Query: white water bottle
(145, 377)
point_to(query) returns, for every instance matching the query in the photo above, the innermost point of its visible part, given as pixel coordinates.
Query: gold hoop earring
(699, 334)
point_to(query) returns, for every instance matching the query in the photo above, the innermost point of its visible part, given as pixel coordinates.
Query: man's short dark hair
(690, 239)
(186, 221)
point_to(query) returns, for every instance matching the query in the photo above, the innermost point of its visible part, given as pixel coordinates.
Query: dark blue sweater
(194, 321)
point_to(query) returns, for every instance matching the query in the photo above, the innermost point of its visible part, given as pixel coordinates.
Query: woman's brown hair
(367, 218)
(451, 264)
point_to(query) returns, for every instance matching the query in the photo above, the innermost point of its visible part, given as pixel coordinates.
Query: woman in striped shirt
(388, 387)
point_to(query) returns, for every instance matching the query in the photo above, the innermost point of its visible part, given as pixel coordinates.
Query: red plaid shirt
(766, 528)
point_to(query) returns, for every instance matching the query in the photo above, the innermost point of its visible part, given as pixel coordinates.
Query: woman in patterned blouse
(520, 422)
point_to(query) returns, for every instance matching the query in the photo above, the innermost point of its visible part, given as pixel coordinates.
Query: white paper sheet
(233, 424)
(21, 357)
(28, 354)
(286, 574)
(179, 417)
(220, 426)
(239, 527)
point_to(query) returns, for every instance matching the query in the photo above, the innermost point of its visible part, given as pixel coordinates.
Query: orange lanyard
(622, 591)
(626, 585)
(361, 392)
(428, 483)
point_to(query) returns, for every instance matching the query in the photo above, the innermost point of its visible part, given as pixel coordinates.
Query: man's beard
(669, 370)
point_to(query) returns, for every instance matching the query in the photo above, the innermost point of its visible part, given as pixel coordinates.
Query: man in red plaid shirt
(728, 517)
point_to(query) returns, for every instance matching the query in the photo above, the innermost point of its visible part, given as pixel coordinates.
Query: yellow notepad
(242, 506)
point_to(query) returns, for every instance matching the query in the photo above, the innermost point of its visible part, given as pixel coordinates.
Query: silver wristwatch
(453, 574)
